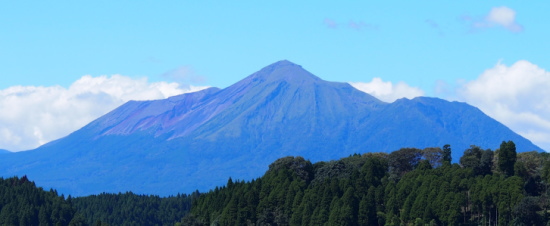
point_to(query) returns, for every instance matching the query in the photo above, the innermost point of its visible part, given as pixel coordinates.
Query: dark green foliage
(507, 158)
(447, 153)
(22, 203)
(301, 167)
(424, 165)
(343, 168)
(367, 208)
(471, 158)
(526, 212)
(546, 172)
(481, 161)
(404, 160)
(434, 156)
(131, 209)
(486, 162)
(407, 187)
(373, 170)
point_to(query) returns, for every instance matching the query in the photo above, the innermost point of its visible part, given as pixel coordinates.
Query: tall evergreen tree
(337, 193)
(486, 162)
(447, 153)
(507, 158)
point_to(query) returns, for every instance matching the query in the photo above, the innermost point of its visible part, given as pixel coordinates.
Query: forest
(405, 187)
(23, 203)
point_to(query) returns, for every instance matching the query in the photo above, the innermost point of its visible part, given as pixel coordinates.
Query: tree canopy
(406, 187)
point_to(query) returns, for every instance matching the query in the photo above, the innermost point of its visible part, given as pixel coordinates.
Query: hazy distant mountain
(199, 140)
(2, 151)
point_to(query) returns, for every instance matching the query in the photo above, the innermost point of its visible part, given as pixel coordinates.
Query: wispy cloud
(33, 115)
(184, 74)
(355, 25)
(152, 60)
(330, 23)
(434, 25)
(515, 95)
(498, 17)
(360, 25)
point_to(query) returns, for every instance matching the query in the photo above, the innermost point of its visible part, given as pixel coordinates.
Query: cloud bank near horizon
(516, 96)
(31, 116)
(388, 91)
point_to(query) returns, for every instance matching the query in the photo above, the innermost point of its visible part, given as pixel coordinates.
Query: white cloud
(517, 96)
(33, 115)
(498, 17)
(387, 91)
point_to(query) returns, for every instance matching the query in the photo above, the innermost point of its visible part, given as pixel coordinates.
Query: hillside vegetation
(132, 209)
(196, 141)
(22, 203)
(406, 187)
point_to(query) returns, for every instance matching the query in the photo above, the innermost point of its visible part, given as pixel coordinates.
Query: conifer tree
(447, 153)
(507, 158)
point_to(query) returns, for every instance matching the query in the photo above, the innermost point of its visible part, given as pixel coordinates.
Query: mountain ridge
(198, 140)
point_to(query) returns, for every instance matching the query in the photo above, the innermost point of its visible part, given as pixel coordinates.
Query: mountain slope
(426, 122)
(198, 140)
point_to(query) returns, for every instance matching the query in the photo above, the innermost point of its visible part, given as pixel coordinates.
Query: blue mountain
(198, 140)
(2, 151)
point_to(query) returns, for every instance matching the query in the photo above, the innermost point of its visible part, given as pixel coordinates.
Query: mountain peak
(284, 70)
(283, 63)
(207, 136)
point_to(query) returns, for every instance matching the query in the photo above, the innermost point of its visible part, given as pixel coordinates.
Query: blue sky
(45, 43)
(435, 48)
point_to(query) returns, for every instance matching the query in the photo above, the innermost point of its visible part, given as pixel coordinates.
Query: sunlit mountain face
(198, 140)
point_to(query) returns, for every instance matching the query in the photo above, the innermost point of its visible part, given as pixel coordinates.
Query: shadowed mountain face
(199, 140)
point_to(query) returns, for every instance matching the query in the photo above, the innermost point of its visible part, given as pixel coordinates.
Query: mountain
(2, 151)
(198, 140)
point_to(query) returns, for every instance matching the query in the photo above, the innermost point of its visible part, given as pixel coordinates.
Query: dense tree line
(132, 209)
(405, 187)
(22, 203)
